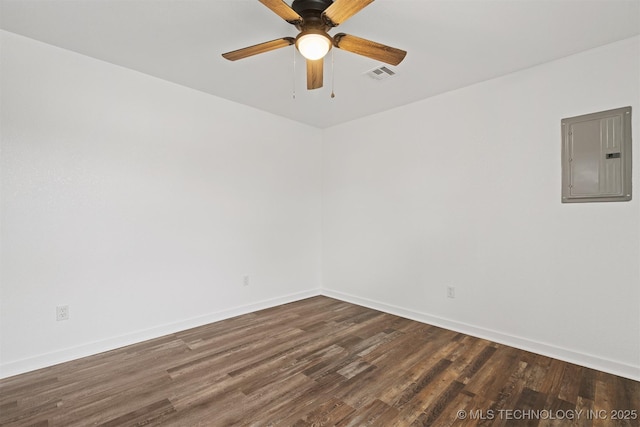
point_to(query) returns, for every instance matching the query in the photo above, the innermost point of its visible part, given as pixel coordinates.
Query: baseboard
(88, 349)
(556, 352)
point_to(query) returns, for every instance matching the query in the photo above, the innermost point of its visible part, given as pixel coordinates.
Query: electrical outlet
(451, 292)
(245, 280)
(62, 312)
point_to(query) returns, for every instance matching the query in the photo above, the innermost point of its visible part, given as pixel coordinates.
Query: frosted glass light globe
(313, 46)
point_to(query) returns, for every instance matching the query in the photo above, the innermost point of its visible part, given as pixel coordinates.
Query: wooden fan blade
(314, 73)
(283, 10)
(341, 10)
(259, 48)
(370, 49)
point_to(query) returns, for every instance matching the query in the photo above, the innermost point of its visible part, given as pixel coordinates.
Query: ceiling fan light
(313, 45)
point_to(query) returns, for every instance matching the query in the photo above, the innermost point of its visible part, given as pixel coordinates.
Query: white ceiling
(450, 44)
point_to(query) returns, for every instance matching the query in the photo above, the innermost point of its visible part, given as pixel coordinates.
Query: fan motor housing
(318, 6)
(311, 12)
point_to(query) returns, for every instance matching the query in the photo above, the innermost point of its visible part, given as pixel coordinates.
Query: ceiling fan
(314, 18)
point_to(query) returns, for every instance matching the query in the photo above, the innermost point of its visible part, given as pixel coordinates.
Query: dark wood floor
(318, 362)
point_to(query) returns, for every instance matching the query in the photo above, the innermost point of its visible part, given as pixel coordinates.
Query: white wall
(141, 204)
(463, 190)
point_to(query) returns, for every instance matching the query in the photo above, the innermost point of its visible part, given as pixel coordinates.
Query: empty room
(319, 213)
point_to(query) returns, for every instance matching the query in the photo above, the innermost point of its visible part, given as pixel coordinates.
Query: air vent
(381, 73)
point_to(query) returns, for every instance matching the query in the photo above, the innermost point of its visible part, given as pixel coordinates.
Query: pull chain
(294, 73)
(333, 75)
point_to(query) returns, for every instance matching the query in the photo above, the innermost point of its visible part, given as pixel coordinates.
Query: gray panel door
(597, 157)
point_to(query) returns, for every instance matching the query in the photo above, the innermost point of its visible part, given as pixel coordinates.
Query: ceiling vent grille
(381, 73)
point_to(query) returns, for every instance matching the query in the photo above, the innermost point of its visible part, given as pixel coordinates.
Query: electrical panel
(596, 157)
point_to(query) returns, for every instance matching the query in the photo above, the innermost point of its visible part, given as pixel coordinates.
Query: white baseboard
(88, 349)
(556, 352)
